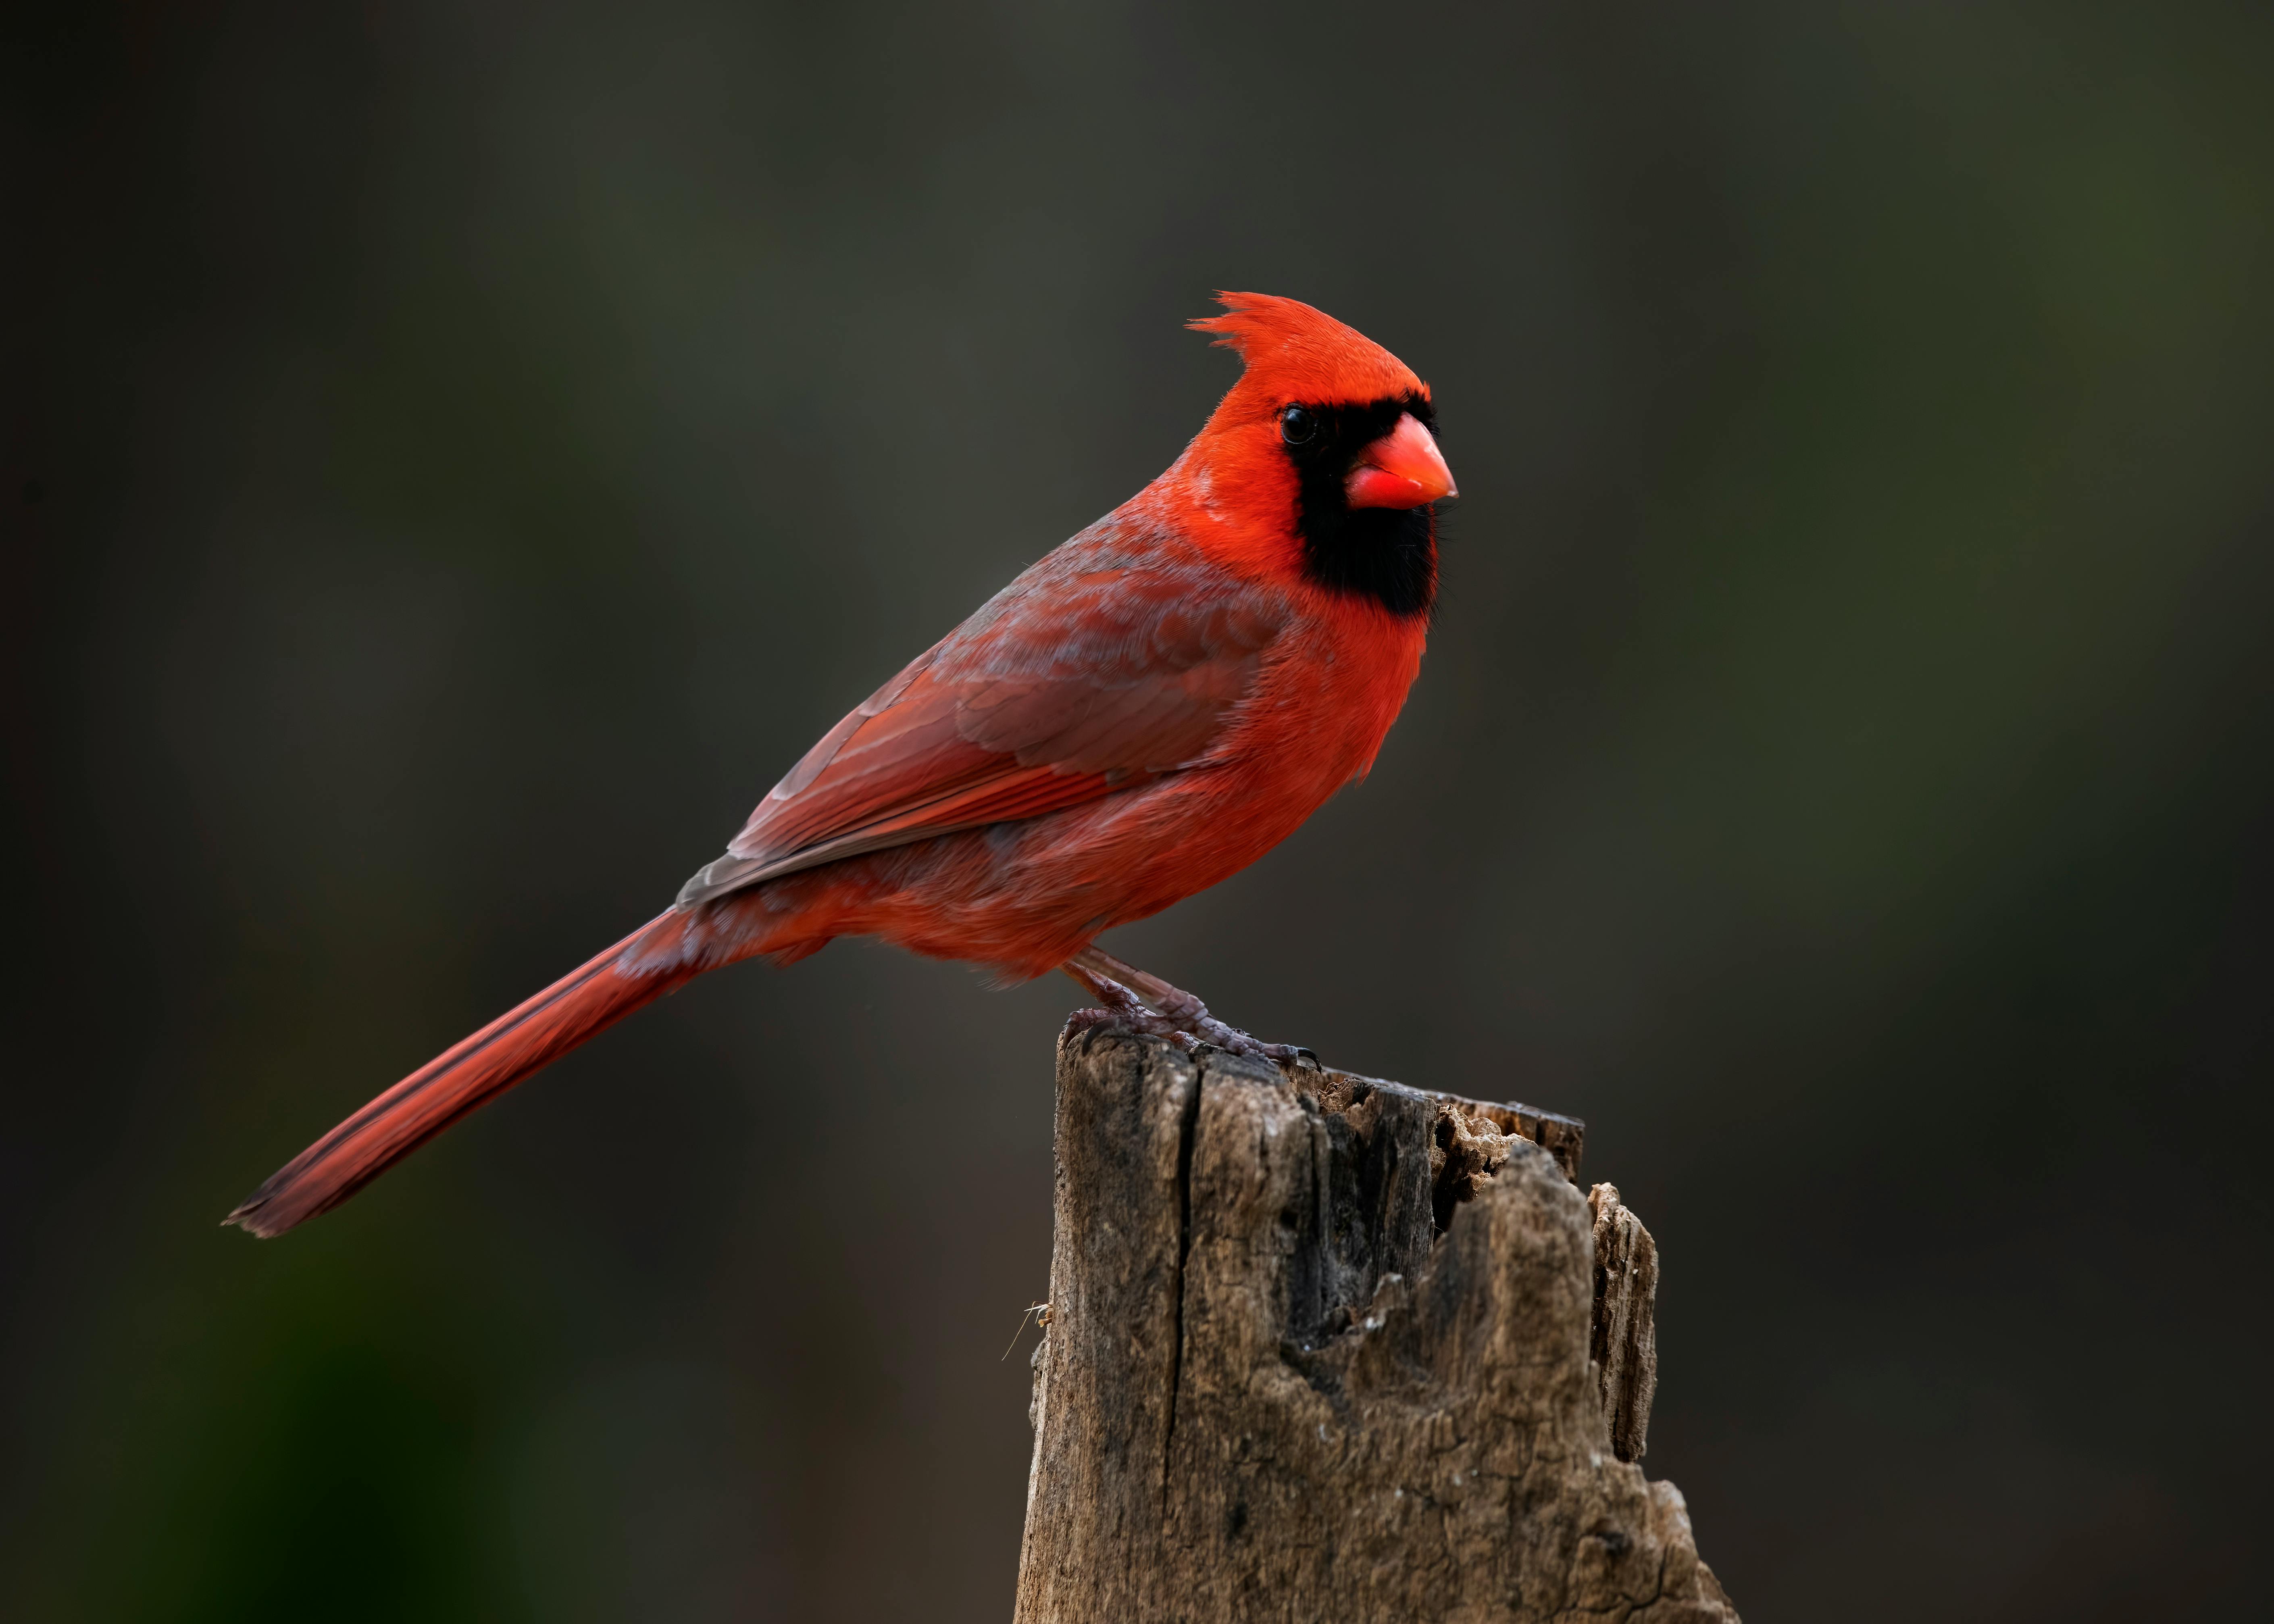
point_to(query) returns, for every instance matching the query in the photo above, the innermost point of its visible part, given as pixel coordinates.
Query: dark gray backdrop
(458, 455)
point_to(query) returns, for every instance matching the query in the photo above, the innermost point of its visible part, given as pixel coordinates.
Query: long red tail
(578, 1006)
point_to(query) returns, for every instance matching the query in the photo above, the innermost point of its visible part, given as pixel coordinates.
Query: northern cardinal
(1149, 709)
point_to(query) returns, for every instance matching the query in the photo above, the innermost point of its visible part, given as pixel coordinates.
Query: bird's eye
(1297, 426)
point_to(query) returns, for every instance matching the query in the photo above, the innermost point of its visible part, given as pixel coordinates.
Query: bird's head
(1324, 457)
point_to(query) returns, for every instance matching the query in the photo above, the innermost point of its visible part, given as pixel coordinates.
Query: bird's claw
(1087, 1020)
(1154, 1026)
(1125, 1009)
(1186, 1022)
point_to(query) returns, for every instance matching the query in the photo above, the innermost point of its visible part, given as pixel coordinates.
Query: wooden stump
(1321, 1348)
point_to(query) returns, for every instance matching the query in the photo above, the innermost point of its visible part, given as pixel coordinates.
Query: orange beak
(1404, 469)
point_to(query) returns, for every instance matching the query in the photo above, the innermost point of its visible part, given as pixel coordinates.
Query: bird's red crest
(1295, 353)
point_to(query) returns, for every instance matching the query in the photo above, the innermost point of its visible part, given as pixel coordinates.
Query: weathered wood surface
(1320, 1349)
(1624, 1338)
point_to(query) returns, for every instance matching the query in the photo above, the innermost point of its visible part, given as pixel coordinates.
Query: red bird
(1149, 709)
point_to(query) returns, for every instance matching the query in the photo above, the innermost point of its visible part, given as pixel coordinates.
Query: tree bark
(1325, 1348)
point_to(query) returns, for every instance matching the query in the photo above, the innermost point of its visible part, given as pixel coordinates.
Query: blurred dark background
(457, 457)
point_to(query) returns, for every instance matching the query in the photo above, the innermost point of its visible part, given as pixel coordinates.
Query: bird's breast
(1328, 699)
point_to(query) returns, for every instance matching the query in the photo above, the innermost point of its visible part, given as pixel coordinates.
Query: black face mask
(1389, 554)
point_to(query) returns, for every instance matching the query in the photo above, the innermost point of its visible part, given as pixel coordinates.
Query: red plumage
(1145, 712)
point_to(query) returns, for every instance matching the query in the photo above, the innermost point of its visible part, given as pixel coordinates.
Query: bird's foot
(1158, 1010)
(1123, 1009)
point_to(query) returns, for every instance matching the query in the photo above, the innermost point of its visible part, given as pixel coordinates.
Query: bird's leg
(1181, 1017)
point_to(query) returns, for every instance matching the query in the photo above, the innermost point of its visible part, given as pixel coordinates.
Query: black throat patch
(1389, 554)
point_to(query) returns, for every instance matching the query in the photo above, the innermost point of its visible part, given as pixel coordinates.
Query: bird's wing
(1073, 683)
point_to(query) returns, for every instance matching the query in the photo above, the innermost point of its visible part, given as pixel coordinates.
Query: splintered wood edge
(1460, 1121)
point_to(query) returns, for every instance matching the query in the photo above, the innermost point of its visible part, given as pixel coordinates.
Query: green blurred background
(458, 455)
